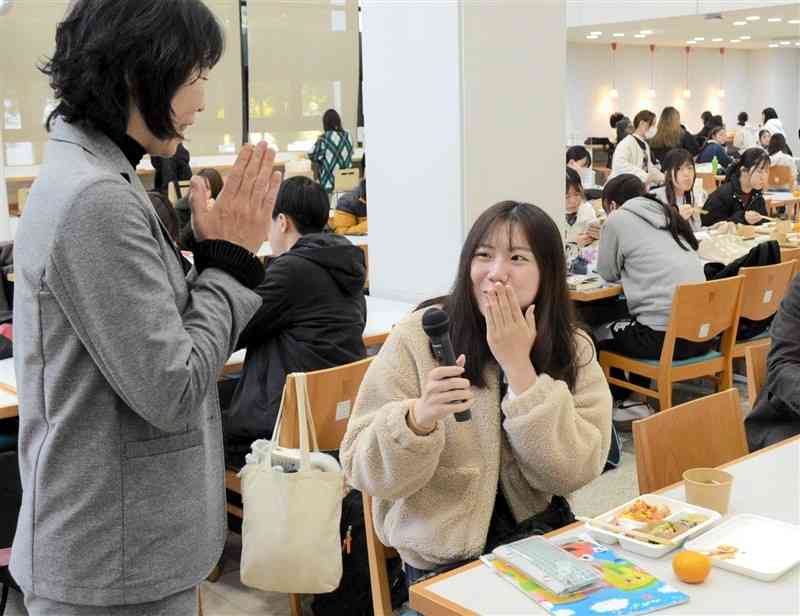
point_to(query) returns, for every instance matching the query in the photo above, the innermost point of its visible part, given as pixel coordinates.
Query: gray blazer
(117, 354)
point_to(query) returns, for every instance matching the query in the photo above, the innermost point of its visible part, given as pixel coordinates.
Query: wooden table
(382, 315)
(766, 483)
(611, 290)
(774, 201)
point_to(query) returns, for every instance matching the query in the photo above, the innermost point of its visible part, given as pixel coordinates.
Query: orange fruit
(691, 567)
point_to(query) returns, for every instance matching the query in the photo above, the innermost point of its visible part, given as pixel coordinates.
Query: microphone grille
(435, 322)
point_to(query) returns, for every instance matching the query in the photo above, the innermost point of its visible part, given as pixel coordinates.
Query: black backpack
(354, 596)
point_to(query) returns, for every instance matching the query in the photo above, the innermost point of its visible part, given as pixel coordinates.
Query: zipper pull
(348, 540)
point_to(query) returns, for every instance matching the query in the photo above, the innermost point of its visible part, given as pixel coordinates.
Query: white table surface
(356, 240)
(767, 485)
(7, 377)
(382, 315)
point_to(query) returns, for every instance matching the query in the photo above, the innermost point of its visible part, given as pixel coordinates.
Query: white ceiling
(676, 31)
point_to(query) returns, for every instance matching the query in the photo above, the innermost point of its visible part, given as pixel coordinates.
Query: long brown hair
(668, 133)
(554, 352)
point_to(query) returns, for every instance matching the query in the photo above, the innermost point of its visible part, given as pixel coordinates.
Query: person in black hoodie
(312, 317)
(740, 198)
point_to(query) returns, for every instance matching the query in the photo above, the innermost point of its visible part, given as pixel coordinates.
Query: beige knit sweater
(433, 495)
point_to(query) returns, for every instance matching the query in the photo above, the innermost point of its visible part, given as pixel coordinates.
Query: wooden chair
(790, 254)
(345, 180)
(700, 312)
(705, 432)
(173, 187)
(780, 176)
(378, 555)
(763, 290)
(332, 393)
(709, 183)
(755, 358)
(22, 199)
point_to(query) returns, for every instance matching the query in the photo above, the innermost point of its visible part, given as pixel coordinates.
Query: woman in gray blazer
(117, 352)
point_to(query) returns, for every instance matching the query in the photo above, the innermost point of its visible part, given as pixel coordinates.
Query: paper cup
(709, 488)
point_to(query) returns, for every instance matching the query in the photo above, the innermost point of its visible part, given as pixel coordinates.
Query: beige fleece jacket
(433, 495)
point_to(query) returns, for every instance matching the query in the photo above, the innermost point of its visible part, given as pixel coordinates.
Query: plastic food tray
(766, 548)
(653, 550)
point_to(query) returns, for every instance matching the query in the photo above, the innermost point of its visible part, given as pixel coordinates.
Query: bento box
(668, 519)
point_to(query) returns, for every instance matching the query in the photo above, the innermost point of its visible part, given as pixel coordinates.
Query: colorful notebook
(625, 589)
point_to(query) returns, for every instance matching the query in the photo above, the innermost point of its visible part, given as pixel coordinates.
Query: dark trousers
(643, 342)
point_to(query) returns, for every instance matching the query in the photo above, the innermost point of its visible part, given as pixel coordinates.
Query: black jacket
(776, 412)
(687, 142)
(174, 169)
(725, 203)
(313, 317)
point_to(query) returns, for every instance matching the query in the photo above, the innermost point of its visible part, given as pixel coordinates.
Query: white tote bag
(290, 531)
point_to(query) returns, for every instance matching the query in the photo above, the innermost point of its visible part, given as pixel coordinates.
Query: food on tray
(640, 511)
(723, 552)
(691, 567)
(667, 529)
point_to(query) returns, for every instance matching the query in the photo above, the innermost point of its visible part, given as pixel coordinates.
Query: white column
(464, 104)
(5, 218)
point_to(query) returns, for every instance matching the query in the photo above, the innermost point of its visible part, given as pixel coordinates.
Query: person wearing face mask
(739, 198)
(649, 247)
(678, 186)
(118, 350)
(633, 155)
(443, 491)
(714, 148)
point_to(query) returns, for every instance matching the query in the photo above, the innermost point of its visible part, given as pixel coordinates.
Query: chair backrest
(332, 393)
(378, 572)
(345, 180)
(780, 176)
(705, 432)
(22, 198)
(709, 183)
(755, 357)
(763, 289)
(703, 310)
(790, 254)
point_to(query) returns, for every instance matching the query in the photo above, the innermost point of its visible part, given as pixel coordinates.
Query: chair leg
(664, 394)
(726, 378)
(294, 605)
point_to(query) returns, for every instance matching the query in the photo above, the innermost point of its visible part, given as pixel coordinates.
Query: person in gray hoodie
(651, 249)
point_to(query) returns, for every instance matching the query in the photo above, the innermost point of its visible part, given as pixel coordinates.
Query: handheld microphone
(436, 325)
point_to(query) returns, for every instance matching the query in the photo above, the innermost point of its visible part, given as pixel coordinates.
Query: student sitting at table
(740, 198)
(678, 189)
(582, 226)
(671, 134)
(312, 316)
(648, 246)
(715, 148)
(746, 134)
(443, 491)
(183, 208)
(350, 217)
(780, 154)
(775, 415)
(764, 137)
(633, 154)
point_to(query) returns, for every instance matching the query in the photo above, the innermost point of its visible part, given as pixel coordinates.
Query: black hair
(615, 117)
(109, 52)
(624, 128)
(644, 115)
(777, 143)
(706, 116)
(770, 114)
(554, 351)
(743, 117)
(363, 165)
(332, 121)
(165, 212)
(751, 158)
(579, 153)
(627, 186)
(214, 180)
(716, 121)
(715, 130)
(305, 202)
(673, 161)
(573, 181)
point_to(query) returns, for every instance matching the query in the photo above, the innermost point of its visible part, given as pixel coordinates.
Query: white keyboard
(549, 565)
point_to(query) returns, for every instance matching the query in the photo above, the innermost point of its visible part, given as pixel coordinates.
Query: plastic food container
(642, 546)
(765, 548)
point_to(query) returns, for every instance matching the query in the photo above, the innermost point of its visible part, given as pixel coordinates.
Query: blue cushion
(764, 334)
(686, 362)
(8, 442)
